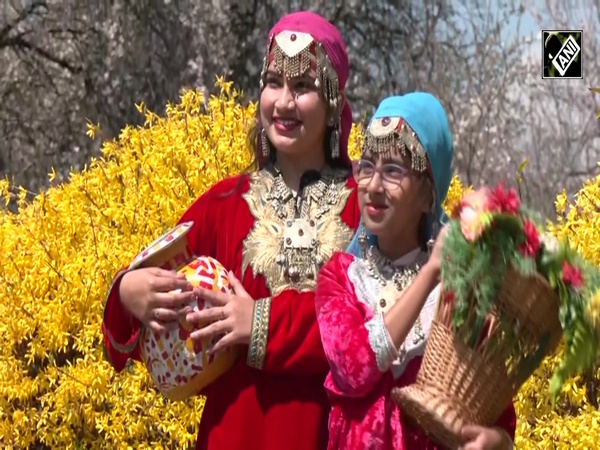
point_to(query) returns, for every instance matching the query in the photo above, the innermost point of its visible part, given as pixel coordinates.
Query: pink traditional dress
(355, 289)
(352, 296)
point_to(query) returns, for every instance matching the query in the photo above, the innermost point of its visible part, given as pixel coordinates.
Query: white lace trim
(381, 343)
(416, 347)
(388, 357)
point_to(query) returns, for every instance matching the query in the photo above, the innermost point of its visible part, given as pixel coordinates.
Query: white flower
(550, 243)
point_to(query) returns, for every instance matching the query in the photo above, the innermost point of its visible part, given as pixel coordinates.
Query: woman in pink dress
(376, 302)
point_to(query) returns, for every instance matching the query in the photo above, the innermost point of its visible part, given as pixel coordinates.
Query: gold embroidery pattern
(259, 333)
(388, 134)
(268, 249)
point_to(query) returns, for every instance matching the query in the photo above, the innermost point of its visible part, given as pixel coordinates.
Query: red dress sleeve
(341, 318)
(119, 328)
(121, 331)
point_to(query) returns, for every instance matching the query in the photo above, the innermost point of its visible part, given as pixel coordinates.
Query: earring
(430, 244)
(434, 233)
(362, 241)
(335, 141)
(264, 142)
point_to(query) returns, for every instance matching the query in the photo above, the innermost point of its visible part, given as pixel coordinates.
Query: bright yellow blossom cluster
(62, 249)
(593, 310)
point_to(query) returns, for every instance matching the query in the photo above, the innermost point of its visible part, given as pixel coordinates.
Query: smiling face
(392, 194)
(293, 112)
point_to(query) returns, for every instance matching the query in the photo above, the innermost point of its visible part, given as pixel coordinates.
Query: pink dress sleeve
(344, 324)
(508, 421)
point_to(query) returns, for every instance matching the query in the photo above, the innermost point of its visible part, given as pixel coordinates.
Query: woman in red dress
(375, 304)
(273, 229)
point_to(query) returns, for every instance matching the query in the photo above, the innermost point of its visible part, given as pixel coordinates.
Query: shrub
(63, 247)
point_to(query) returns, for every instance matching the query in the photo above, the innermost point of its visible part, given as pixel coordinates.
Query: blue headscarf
(425, 114)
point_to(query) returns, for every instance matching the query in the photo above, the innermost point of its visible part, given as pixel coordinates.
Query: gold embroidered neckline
(323, 191)
(293, 236)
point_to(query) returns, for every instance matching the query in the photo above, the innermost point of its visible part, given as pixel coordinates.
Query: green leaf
(523, 165)
(520, 170)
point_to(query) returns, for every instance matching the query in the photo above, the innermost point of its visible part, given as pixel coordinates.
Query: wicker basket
(458, 385)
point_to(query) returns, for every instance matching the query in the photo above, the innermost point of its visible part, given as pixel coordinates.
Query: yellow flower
(561, 202)
(92, 130)
(455, 194)
(592, 311)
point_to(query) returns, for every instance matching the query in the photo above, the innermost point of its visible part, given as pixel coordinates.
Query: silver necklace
(300, 215)
(382, 269)
(324, 192)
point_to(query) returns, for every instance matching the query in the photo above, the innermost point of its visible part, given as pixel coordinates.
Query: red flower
(448, 297)
(532, 244)
(503, 200)
(572, 275)
(455, 213)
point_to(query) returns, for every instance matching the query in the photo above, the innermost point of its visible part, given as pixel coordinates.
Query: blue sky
(525, 27)
(528, 25)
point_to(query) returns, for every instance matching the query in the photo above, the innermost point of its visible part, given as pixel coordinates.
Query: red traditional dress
(365, 366)
(274, 400)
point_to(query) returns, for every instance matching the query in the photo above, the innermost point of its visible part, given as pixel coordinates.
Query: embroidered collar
(384, 271)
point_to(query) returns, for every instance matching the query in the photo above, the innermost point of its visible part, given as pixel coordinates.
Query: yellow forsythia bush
(62, 249)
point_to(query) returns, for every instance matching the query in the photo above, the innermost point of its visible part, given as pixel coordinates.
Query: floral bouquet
(509, 294)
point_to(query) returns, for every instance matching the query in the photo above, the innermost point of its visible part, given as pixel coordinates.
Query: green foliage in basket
(489, 232)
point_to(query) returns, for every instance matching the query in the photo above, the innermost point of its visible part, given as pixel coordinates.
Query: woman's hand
(156, 297)
(484, 438)
(230, 316)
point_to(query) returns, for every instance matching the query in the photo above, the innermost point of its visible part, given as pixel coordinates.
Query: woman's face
(293, 113)
(392, 197)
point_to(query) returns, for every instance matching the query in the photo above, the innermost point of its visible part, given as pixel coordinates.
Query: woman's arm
(361, 349)
(121, 330)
